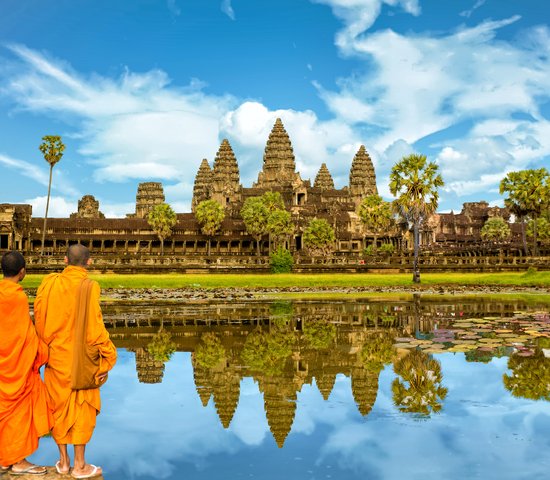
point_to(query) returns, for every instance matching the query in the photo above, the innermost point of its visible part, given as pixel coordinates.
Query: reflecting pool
(363, 389)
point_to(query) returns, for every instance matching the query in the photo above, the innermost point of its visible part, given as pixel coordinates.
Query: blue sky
(143, 90)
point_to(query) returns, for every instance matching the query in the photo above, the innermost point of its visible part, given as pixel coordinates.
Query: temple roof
(324, 180)
(362, 179)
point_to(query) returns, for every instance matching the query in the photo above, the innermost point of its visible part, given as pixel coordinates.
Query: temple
(126, 239)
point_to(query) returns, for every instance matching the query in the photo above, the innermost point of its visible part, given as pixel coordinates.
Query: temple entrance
(4, 242)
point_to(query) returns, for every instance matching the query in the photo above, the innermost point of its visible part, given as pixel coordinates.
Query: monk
(75, 411)
(24, 413)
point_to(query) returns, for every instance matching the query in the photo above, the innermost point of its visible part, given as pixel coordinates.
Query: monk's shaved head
(78, 255)
(12, 263)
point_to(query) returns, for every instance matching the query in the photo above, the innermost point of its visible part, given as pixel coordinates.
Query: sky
(143, 90)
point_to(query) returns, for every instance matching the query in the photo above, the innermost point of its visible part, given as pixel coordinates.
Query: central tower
(279, 169)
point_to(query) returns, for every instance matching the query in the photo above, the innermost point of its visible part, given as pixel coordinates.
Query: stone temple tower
(362, 179)
(225, 184)
(324, 180)
(148, 195)
(203, 184)
(279, 169)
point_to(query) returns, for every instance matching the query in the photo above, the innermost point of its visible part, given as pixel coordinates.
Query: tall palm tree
(415, 181)
(52, 148)
(162, 219)
(528, 194)
(210, 215)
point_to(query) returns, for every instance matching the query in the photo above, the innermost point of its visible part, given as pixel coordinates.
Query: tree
(210, 215)
(273, 202)
(255, 214)
(279, 225)
(528, 194)
(52, 148)
(543, 229)
(419, 389)
(415, 181)
(161, 346)
(530, 377)
(319, 237)
(376, 215)
(495, 230)
(162, 220)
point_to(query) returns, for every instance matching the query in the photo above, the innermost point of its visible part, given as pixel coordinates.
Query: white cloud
(313, 141)
(59, 207)
(359, 15)
(173, 7)
(130, 126)
(227, 8)
(468, 13)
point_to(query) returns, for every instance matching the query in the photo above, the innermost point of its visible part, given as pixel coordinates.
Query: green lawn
(539, 279)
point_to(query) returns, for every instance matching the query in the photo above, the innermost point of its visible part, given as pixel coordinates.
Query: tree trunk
(416, 239)
(258, 246)
(535, 246)
(523, 235)
(46, 214)
(375, 244)
(162, 247)
(208, 248)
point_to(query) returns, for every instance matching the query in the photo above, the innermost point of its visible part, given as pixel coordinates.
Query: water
(307, 390)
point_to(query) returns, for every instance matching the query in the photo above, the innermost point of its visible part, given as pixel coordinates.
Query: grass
(208, 281)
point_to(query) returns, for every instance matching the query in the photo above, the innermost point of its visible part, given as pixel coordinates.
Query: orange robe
(75, 411)
(24, 412)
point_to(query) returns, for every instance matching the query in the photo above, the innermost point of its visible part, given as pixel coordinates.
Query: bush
(281, 261)
(369, 251)
(387, 249)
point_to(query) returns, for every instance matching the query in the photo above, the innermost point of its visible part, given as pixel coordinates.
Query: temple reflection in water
(286, 345)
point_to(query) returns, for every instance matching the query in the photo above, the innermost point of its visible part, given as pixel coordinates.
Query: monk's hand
(101, 377)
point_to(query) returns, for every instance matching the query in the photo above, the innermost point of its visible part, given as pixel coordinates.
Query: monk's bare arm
(97, 333)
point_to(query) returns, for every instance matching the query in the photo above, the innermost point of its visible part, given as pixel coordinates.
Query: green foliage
(273, 201)
(162, 219)
(543, 229)
(369, 251)
(319, 335)
(52, 148)
(528, 194)
(162, 347)
(281, 261)
(531, 271)
(495, 229)
(255, 214)
(210, 351)
(279, 225)
(375, 214)
(268, 353)
(319, 237)
(210, 215)
(387, 249)
(530, 376)
(418, 390)
(378, 351)
(415, 183)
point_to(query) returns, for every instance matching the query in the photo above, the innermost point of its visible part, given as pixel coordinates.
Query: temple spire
(279, 164)
(324, 180)
(362, 179)
(203, 184)
(225, 176)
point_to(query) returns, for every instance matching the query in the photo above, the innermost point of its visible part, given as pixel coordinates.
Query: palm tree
(210, 215)
(162, 219)
(375, 215)
(52, 148)
(255, 214)
(513, 185)
(528, 194)
(419, 389)
(414, 181)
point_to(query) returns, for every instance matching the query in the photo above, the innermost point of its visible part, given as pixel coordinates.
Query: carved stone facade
(88, 207)
(133, 235)
(148, 195)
